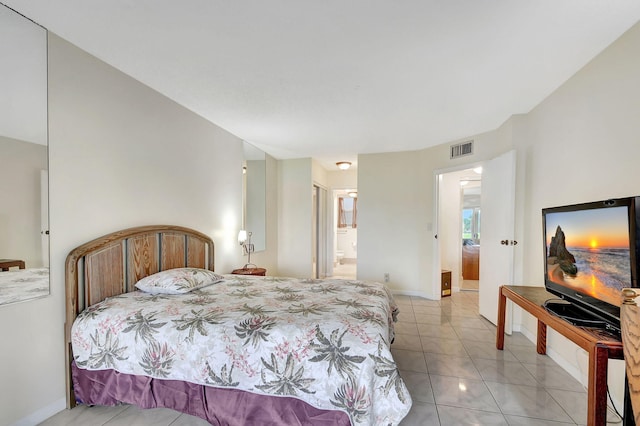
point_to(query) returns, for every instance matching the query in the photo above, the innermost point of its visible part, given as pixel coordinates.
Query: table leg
(597, 388)
(542, 338)
(502, 308)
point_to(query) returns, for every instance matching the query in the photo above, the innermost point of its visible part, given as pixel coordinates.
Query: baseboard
(42, 414)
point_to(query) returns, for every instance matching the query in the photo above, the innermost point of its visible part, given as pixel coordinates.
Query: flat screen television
(591, 253)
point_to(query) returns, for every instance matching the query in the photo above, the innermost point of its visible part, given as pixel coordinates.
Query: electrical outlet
(386, 277)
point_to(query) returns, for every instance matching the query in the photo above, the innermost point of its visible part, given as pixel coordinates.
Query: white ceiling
(331, 79)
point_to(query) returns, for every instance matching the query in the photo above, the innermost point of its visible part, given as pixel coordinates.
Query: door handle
(508, 242)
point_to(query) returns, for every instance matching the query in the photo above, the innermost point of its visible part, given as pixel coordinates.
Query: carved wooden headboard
(112, 264)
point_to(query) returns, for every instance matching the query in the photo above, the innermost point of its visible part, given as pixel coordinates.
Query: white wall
(23, 49)
(294, 218)
(319, 174)
(581, 145)
(389, 220)
(20, 166)
(342, 179)
(119, 153)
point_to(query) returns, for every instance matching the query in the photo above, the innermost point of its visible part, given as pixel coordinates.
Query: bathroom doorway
(345, 240)
(319, 232)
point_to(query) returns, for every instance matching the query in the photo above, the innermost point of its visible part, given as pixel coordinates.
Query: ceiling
(333, 79)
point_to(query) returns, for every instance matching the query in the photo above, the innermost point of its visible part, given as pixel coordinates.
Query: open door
(498, 232)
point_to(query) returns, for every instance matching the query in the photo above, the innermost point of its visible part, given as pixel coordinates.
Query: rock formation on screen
(558, 249)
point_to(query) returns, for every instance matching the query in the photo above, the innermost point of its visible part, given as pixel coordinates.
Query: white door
(498, 231)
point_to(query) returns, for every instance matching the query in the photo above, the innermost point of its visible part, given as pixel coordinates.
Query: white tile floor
(457, 377)
(345, 271)
(447, 357)
(472, 285)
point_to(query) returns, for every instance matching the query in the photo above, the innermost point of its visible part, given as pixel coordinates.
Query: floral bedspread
(323, 341)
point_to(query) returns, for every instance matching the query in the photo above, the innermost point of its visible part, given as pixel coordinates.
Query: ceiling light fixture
(353, 194)
(343, 165)
(478, 170)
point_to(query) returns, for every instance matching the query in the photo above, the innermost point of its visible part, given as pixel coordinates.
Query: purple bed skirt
(218, 406)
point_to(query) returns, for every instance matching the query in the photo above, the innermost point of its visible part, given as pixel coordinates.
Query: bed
(243, 350)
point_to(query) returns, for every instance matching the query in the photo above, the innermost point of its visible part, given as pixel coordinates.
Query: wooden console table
(599, 344)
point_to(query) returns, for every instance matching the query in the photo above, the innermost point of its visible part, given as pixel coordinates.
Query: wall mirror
(255, 193)
(24, 211)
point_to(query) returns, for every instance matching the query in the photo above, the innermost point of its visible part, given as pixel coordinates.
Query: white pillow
(178, 281)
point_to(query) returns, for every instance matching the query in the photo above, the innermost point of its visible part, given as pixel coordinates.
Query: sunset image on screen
(590, 252)
(598, 228)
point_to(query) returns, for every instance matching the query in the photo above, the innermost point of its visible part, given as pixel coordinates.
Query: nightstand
(5, 264)
(446, 283)
(250, 271)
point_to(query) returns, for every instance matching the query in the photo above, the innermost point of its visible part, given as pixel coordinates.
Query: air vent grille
(461, 149)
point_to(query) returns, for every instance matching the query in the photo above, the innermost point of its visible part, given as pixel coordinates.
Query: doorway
(459, 226)
(471, 230)
(319, 227)
(498, 227)
(345, 233)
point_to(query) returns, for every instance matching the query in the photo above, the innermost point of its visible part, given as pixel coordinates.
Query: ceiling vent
(461, 149)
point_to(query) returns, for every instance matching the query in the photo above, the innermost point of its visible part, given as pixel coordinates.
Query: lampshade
(343, 165)
(242, 236)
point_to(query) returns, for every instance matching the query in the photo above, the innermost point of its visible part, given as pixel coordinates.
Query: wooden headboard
(112, 264)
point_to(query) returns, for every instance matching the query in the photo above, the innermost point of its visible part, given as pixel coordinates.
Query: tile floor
(345, 271)
(473, 285)
(447, 357)
(446, 354)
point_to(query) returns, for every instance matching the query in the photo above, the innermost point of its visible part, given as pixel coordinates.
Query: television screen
(590, 254)
(589, 251)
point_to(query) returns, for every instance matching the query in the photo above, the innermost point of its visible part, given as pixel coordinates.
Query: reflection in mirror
(24, 219)
(254, 211)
